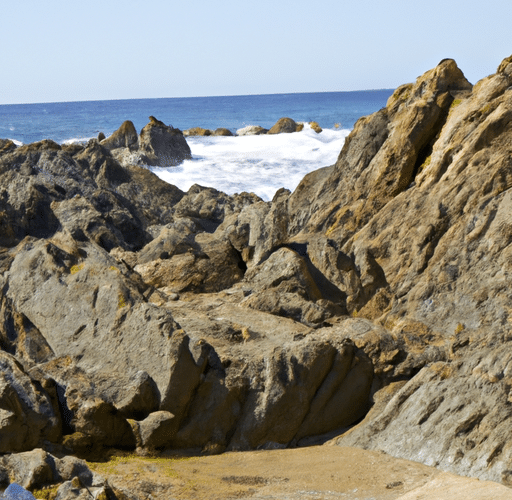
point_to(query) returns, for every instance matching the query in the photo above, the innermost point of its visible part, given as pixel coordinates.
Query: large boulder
(163, 145)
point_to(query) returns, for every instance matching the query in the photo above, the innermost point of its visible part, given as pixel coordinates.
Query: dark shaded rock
(157, 431)
(27, 413)
(223, 132)
(101, 422)
(124, 137)
(285, 126)
(6, 146)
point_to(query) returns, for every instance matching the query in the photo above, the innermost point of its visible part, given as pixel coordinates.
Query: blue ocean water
(66, 121)
(260, 164)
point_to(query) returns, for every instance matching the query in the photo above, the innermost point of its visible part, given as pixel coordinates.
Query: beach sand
(318, 472)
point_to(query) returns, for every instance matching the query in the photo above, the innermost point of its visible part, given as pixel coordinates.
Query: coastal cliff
(371, 305)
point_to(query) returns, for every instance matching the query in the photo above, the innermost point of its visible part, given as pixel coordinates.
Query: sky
(56, 51)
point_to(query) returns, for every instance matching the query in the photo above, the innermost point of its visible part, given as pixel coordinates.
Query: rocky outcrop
(124, 137)
(135, 315)
(158, 144)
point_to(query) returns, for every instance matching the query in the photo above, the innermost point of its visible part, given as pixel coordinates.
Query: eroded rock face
(147, 317)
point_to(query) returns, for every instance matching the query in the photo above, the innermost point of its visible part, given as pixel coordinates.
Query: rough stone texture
(6, 145)
(382, 281)
(163, 145)
(157, 431)
(27, 416)
(32, 469)
(124, 137)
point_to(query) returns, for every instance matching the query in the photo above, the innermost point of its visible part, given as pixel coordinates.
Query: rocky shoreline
(372, 303)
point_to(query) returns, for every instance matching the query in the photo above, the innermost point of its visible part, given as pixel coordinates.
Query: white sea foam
(78, 140)
(261, 164)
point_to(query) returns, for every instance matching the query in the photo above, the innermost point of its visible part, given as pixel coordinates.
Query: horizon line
(195, 97)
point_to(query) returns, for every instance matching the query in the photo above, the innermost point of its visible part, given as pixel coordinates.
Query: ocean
(260, 164)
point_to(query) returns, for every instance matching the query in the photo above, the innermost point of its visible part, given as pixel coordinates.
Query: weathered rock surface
(135, 315)
(124, 137)
(157, 145)
(163, 145)
(26, 413)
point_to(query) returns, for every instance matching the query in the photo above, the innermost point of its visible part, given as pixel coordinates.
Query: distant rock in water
(315, 127)
(285, 126)
(223, 132)
(157, 145)
(124, 137)
(163, 145)
(251, 130)
(197, 131)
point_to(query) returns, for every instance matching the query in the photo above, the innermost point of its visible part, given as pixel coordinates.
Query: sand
(318, 472)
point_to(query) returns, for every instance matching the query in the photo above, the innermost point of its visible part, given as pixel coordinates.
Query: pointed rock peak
(155, 121)
(124, 137)
(504, 64)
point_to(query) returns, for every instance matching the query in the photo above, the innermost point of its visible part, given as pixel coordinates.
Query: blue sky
(92, 50)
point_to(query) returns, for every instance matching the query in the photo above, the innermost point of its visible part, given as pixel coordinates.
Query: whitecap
(261, 164)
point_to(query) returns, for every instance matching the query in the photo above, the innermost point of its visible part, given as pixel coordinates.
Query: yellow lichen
(121, 302)
(46, 493)
(455, 103)
(459, 328)
(76, 268)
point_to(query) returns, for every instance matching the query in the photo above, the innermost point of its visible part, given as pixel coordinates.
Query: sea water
(260, 164)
